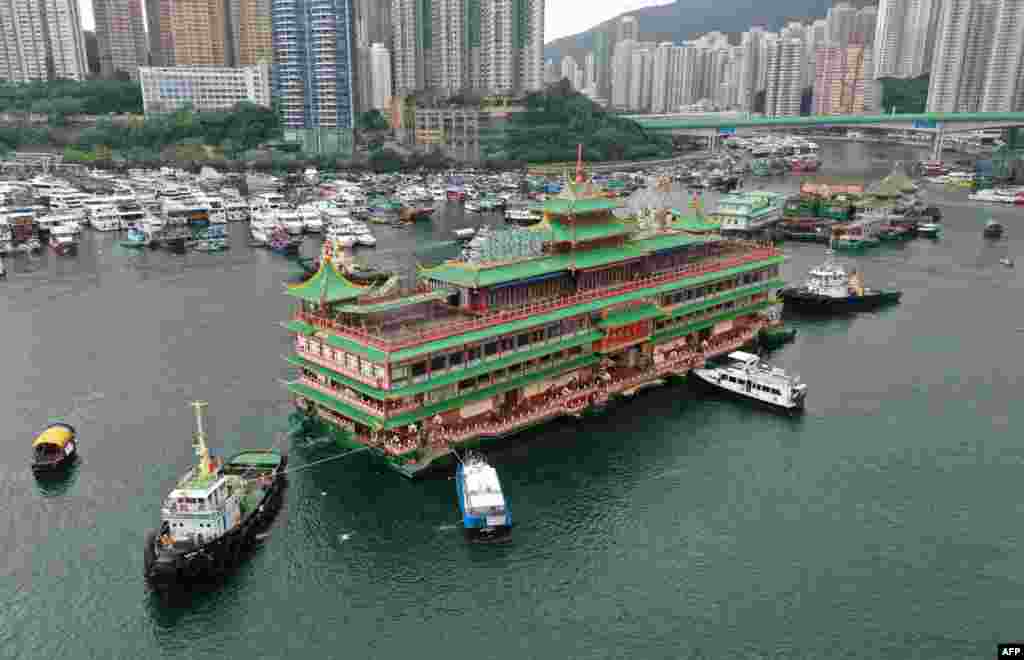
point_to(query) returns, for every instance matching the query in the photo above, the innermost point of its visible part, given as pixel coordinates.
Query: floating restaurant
(533, 326)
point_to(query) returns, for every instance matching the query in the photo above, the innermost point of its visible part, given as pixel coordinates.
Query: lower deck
(416, 448)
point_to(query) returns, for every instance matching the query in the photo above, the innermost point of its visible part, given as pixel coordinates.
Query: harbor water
(884, 523)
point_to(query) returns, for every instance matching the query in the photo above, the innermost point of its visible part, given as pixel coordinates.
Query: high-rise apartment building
(840, 20)
(200, 33)
(550, 72)
(448, 33)
(815, 36)
(784, 79)
(569, 68)
(962, 49)
(511, 46)
(160, 32)
(313, 71)
(602, 63)
(641, 79)
(590, 72)
(905, 37)
(628, 29)
(251, 32)
(410, 44)
(662, 79)
(41, 40)
(754, 44)
(843, 83)
(864, 25)
(380, 74)
(622, 63)
(120, 36)
(1004, 77)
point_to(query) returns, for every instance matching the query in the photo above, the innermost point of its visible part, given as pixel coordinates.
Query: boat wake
(343, 537)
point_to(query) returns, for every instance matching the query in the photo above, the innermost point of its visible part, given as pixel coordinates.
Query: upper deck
(436, 321)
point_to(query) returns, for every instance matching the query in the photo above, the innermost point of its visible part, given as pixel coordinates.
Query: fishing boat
(63, 241)
(993, 229)
(472, 207)
(929, 229)
(521, 215)
(1006, 261)
(745, 375)
(831, 289)
(485, 514)
(464, 234)
(3, 269)
(214, 512)
(54, 448)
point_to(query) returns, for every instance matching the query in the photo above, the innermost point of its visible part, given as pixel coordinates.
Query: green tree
(372, 120)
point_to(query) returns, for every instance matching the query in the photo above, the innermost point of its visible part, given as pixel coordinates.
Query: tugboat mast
(199, 439)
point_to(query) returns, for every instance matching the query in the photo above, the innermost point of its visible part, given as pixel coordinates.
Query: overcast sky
(564, 17)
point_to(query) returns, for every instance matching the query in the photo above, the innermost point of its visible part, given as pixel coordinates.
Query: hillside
(688, 19)
(557, 120)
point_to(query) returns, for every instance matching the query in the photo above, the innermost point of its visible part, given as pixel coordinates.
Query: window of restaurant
(438, 363)
(472, 356)
(419, 369)
(508, 344)
(455, 360)
(491, 349)
(523, 340)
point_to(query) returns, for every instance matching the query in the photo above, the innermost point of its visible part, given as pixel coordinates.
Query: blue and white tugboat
(215, 512)
(745, 375)
(485, 515)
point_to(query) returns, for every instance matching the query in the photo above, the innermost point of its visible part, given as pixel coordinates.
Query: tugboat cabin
(200, 509)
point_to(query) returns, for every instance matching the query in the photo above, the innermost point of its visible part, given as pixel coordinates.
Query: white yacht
(747, 376)
(366, 238)
(291, 221)
(237, 210)
(311, 220)
(105, 218)
(263, 225)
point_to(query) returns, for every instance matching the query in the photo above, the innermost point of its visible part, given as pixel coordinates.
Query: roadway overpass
(936, 123)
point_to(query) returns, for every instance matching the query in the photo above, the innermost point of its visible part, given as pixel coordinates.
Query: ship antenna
(199, 439)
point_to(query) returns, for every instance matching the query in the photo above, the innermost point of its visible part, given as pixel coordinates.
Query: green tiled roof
(337, 341)
(559, 232)
(470, 275)
(387, 306)
(328, 285)
(668, 242)
(563, 206)
(442, 406)
(450, 377)
(632, 315)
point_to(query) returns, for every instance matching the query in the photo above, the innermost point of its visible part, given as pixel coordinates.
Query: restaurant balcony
(449, 321)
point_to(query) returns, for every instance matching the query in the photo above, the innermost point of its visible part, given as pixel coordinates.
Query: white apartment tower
(622, 62)
(660, 78)
(380, 74)
(511, 45)
(784, 78)
(41, 40)
(864, 25)
(962, 50)
(120, 36)
(448, 48)
(569, 69)
(1004, 79)
(753, 64)
(404, 48)
(628, 29)
(841, 20)
(905, 37)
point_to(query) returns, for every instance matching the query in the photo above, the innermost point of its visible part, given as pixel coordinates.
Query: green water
(882, 524)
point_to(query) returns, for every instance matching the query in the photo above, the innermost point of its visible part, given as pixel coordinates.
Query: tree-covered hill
(558, 119)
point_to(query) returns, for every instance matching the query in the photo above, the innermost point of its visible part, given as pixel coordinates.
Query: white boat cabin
(748, 376)
(201, 509)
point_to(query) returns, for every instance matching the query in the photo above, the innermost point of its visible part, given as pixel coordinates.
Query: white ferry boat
(485, 513)
(747, 376)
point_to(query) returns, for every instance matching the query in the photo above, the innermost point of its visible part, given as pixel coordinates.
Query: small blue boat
(485, 514)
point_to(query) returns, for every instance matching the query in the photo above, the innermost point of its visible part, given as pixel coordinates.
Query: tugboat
(831, 289)
(54, 448)
(485, 515)
(747, 376)
(215, 511)
(993, 229)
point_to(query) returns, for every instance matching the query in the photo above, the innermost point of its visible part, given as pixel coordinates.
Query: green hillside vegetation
(557, 120)
(67, 97)
(235, 132)
(909, 95)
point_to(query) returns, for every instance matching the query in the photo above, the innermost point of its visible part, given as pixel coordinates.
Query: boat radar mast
(199, 439)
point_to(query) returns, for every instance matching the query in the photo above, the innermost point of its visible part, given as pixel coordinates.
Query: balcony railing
(443, 330)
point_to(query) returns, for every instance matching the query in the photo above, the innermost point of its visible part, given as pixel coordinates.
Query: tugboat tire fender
(149, 551)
